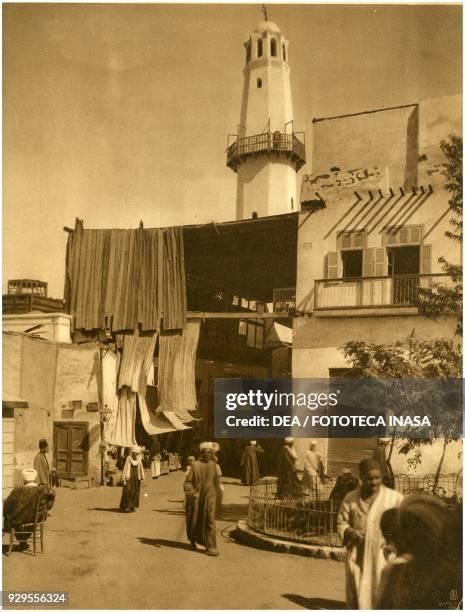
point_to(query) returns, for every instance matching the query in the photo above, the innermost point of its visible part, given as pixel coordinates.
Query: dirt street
(106, 559)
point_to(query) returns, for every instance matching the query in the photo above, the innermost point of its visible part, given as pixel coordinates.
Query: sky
(115, 113)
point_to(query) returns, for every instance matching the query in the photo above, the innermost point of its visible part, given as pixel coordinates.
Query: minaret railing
(267, 142)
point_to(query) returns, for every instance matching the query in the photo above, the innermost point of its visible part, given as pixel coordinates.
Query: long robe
(249, 464)
(20, 505)
(131, 490)
(288, 484)
(365, 561)
(201, 487)
(43, 469)
(312, 470)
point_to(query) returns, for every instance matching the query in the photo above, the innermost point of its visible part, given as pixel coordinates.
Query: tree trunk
(391, 447)
(438, 471)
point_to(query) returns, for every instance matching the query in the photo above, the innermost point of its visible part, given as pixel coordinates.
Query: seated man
(20, 505)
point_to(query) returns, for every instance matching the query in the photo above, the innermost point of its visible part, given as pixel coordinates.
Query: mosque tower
(266, 153)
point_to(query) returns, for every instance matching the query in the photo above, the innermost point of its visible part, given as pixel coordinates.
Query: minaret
(266, 153)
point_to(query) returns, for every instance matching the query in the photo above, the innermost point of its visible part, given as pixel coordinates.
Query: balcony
(373, 291)
(268, 142)
(284, 299)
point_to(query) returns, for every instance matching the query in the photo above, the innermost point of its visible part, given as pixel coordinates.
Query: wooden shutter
(402, 235)
(425, 259)
(374, 262)
(380, 262)
(368, 267)
(332, 264)
(351, 240)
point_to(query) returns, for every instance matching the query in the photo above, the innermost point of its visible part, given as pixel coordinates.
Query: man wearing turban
(359, 527)
(20, 506)
(202, 488)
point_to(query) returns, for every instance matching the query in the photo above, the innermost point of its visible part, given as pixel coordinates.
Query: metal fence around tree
(311, 518)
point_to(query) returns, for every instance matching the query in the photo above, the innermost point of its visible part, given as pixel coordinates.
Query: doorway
(404, 266)
(70, 449)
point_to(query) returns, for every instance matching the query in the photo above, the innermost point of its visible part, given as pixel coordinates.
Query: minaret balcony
(266, 143)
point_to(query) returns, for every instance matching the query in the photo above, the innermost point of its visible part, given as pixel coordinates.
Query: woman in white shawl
(359, 527)
(132, 476)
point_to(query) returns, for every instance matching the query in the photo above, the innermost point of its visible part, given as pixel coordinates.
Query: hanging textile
(136, 360)
(117, 280)
(153, 424)
(176, 371)
(124, 430)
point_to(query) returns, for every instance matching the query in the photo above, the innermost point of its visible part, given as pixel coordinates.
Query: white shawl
(363, 582)
(127, 468)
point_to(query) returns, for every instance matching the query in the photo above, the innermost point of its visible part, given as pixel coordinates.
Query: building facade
(371, 231)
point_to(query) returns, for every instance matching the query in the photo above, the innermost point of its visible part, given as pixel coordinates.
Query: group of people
(19, 508)
(295, 481)
(402, 553)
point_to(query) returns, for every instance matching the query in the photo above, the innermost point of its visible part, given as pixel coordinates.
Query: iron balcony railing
(268, 142)
(374, 291)
(284, 299)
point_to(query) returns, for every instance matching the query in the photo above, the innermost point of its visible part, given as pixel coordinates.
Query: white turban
(135, 449)
(29, 475)
(207, 445)
(289, 440)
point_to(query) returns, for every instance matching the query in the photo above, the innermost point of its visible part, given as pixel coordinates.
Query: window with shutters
(351, 240)
(403, 236)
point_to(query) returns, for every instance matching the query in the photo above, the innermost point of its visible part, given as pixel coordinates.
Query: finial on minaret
(265, 12)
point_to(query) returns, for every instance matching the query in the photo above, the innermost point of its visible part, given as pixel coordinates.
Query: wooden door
(70, 442)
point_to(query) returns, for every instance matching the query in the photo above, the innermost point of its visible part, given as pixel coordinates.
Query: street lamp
(105, 414)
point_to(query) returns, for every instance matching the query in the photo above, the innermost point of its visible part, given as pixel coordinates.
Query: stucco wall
(382, 138)
(77, 378)
(48, 376)
(266, 184)
(55, 327)
(406, 139)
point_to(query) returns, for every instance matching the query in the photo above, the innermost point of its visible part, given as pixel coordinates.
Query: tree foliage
(447, 299)
(430, 361)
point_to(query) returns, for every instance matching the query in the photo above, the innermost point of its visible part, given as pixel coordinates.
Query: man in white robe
(359, 527)
(313, 469)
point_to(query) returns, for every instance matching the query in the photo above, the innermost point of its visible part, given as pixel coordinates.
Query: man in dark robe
(41, 464)
(345, 483)
(20, 506)
(288, 485)
(131, 477)
(249, 463)
(201, 487)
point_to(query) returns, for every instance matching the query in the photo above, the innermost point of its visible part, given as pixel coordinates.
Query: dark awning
(248, 258)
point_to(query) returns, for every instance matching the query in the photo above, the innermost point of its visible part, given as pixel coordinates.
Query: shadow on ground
(315, 603)
(17, 549)
(232, 512)
(160, 543)
(172, 512)
(106, 509)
